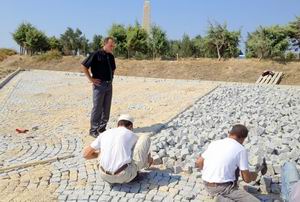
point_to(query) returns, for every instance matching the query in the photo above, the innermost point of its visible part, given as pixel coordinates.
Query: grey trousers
(102, 96)
(229, 193)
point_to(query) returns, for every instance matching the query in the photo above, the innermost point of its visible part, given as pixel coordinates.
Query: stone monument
(147, 17)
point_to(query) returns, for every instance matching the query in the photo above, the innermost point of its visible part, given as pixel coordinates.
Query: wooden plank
(259, 79)
(264, 79)
(277, 80)
(270, 82)
(273, 78)
(268, 79)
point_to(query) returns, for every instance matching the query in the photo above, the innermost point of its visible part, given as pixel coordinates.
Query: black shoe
(94, 134)
(101, 130)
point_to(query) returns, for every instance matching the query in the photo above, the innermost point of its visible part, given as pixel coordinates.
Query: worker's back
(222, 158)
(116, 148)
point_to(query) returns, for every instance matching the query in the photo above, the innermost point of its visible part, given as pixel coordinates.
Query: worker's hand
(199, 162)
(96, 82)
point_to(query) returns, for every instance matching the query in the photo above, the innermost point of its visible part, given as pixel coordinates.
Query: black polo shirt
(102, 65)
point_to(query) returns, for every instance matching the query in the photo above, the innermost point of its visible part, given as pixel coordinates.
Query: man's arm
(88, 75)
(90, 153)
(199, 162)
(248, 176)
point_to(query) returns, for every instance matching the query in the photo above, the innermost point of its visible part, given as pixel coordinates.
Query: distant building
(147, 16)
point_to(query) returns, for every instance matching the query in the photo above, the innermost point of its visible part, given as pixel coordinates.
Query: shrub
(290, 56)
(50, 55)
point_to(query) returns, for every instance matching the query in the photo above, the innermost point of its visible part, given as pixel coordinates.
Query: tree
(84, 47)
(36, 41)
(96, 43)
(54, 43)
(268, 42)
(71, 41)
(199, 46)
(222, 43)
(137, 41)
(30, 39)
(20, 36)
(187, 47)
(175, 46)
(158, 42)
(119, 33)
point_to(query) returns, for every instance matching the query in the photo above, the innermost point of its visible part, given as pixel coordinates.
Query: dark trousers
(102, 96)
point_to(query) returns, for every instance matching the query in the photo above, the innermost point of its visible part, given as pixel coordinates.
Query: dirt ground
(232, 70)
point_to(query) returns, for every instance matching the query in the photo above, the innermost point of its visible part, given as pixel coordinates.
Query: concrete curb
(9, 77)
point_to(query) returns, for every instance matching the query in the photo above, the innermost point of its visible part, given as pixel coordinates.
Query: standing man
(99, 68)
(221, 163)
(121, 153)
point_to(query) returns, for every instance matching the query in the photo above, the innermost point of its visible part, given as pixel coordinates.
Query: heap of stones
(272, 115)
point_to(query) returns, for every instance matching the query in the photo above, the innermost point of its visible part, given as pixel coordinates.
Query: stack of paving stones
(272, 114)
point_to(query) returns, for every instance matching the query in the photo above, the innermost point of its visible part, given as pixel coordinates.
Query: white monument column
(147, 17)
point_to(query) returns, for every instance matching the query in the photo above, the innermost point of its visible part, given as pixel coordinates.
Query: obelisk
(147, 16)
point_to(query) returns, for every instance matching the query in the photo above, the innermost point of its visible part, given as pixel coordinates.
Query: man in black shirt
(102, 66)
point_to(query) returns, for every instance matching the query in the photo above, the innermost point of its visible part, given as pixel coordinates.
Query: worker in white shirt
(290, 182)
(121, 153)
(220, 162)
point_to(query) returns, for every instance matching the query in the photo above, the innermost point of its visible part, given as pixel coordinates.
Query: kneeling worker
(121, 153)
(221, 162)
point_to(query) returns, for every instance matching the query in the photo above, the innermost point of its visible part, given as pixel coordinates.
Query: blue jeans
(289, 176)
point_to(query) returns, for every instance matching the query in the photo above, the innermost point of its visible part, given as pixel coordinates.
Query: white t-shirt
(116, 147)
(222, 158)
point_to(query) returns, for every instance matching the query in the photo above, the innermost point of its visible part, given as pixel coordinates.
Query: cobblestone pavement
(55, 108)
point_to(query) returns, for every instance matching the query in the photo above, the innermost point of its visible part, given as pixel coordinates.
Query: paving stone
(140, 196)
(62, 197)
(177, 169)
(157, 198)
(105, 198)
(94, 197)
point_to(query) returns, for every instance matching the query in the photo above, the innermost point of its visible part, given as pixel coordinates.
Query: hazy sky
(176, 17)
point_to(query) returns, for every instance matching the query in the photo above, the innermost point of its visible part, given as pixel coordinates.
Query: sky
(176, 17)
